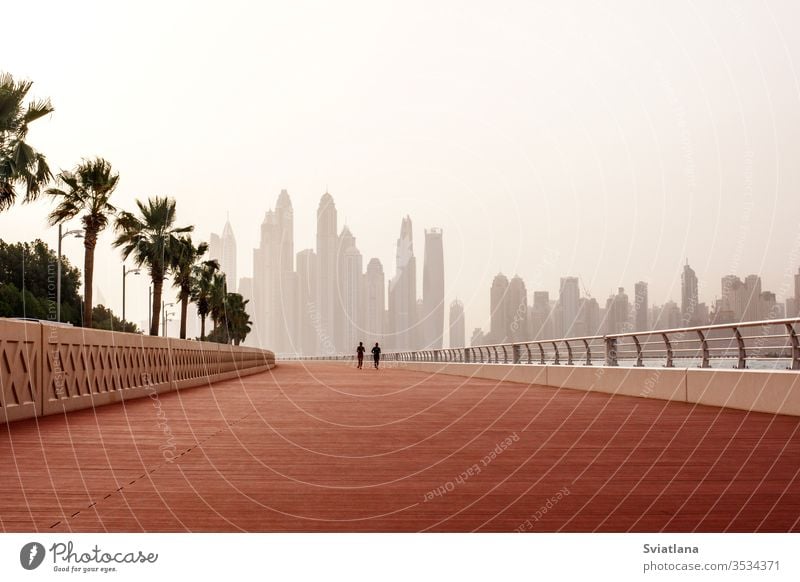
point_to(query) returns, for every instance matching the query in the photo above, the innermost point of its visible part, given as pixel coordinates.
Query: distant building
(498, 306)
(517, 326)
(590, 316)
(569, 303)
(478, 337)
(792, 306)
(640, 306)
(689, 296)
(351, 281)
(305, 315)
(403, 291)
(432, 315)
(542, 324)
(325, 314)
(617, 313)
(457, 327)
(375, 303)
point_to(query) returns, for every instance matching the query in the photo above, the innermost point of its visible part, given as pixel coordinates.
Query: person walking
(360, 353)
(376, 354)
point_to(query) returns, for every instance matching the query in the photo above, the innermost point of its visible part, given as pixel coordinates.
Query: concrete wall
(49, 369)
(776, 392)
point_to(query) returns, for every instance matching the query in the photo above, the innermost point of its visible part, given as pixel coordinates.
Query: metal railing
(768, 344)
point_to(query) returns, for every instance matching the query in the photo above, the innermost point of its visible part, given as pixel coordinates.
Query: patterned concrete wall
(48, 369)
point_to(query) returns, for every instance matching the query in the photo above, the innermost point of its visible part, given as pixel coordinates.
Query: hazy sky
(608, 140)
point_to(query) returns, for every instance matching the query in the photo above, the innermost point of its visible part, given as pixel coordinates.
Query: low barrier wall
(773, 391)
(48, 369)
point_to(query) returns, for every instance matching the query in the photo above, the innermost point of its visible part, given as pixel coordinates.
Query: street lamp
(164, 316)
(77, 234)
(125, 273)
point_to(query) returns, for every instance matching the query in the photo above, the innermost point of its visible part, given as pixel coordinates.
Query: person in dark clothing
(376, 354)
(360, 353)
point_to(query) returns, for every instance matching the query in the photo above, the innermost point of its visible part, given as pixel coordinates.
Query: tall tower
(458, 337)
(375, 290)
(640, 307)
(541, 317)
(227, 261)
(403, 291)
(305, 335)
(689, 297)
(752, 290)
(325, 312)
(516, 310)
(349, 303)
(569, 303)
(432, 317)
(265, 276)
(498, 305)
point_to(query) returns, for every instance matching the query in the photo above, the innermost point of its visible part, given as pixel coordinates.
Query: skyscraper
(689, 297)
(498, 305)
(517, 326)
(541, 316)
(617, 313)
(752, 291)
(375, 289)
(569, 302)
(403, 291)
(457, 325)
(227, 261)
(306, 331)
(432, 317)
(640, 307)
(325, 314)
(349, 303)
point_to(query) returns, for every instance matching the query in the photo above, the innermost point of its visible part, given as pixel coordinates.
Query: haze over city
(667, 133)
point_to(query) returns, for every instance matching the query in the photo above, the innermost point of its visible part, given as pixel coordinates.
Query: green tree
(216, 302)
(183, 264)
(32, 267)
(20, 164)
(202, 281)
(237, 318)
(88, 190)
(104, 318)
(152, 239)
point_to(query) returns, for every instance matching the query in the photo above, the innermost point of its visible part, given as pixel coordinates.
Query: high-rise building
(457, 325)
(733, 298)
(274, 302)
(689, 295)
(768, 306)
(375, 289)
(325, 310)
(227, 261)
(542, 324)
(590, 316)
(349, 301)
(498, 305)
(640, 307)
(306, 326)
(617, 313)
(432, 316)
(792, 304)
(752, 292)
(517, 326)
(403, 291)
(569, 303)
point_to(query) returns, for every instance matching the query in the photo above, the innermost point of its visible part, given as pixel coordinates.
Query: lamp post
(125, 272)
(164, 316)
(77, 234)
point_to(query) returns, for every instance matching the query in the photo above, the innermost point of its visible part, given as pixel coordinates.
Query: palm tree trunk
(203, 328)
(184, 306)
(88, 275)
(156, 319)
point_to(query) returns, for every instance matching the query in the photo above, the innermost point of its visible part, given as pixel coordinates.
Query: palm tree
(203, 279)
(20, 164)
(88, 190)
(152, 239)
(183, 264)
(237, 318)
(216, 301)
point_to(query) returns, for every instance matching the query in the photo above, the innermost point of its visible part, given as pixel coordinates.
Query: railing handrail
(488, 353)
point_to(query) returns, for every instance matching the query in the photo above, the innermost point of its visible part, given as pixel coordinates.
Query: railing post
(795, 347)
(466, 355)
(588, 352)
(704, 347)
(569, 353)
(740, 345)
(611, 351)
(639, 357)
(668, 346)
(556, 361)
(542, 360)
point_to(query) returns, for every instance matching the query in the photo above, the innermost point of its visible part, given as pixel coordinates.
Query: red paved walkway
(330, 448)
